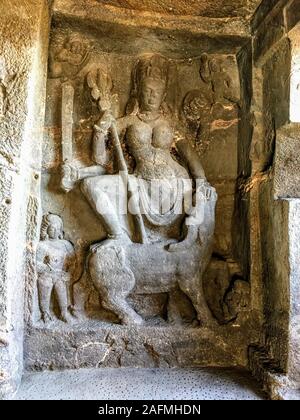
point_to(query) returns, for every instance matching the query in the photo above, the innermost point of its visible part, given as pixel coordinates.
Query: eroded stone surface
(22, 57)
(99, 344)
(208, 8)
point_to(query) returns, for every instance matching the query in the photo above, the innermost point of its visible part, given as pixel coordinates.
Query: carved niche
(127, 178)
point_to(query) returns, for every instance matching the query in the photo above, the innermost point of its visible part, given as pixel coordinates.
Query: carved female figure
(55, 264)
(155, 263)
(148, 134)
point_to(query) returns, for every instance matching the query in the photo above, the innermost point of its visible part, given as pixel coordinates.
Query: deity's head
(237, 298)
(74, 44)
(214, 65)
(150, 82)
(52, 227)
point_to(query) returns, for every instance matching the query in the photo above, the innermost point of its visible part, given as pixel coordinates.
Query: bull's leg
(62, 297)
(45, 286)
(174, 315)
(114, 282)
(122, 309)
(194, 291)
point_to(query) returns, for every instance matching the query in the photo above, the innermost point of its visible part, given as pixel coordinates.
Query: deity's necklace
(148, 117)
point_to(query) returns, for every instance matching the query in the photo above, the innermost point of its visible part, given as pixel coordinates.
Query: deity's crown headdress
(152, 66)
(148, 66)
(47, 220)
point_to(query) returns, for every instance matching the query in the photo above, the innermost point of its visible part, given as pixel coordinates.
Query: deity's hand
(105, 123)
(70, 175)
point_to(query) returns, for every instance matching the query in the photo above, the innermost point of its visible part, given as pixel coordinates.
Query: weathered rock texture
(207, 8)
(23, 55)
(274, 157)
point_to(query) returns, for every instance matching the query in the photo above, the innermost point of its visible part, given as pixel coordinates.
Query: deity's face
(152, 95)
(214, 66)
(55, 229)
(76, 47)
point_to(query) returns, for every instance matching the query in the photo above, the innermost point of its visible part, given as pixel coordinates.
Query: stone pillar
(24, 33)
(294, 298)
(284, 334)
(283, 304)
(275, 163)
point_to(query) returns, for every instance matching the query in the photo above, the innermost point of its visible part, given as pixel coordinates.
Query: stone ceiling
(207, 8)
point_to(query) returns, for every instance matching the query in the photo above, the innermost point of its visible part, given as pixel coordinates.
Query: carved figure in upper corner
(55, 266)
(66, 61)
(212, 72)
(139, 248)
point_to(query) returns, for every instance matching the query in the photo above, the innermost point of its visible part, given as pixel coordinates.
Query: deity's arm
(191, 159)
(69, 248)
(99, 148)
(39, 260)
(90, 171)
(100, 153)
(42, 258)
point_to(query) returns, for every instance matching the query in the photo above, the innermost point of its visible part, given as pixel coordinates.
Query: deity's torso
(149, 142)
(53, 256)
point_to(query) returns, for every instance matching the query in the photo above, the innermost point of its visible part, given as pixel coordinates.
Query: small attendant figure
(55, 265)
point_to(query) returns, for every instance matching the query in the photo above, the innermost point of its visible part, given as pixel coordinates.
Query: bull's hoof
(133, 320)
(209, 323)
(66, 318)
(46, 317)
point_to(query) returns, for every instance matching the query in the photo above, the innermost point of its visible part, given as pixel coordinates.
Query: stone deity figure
(161, 243)
(213, 73)
(55, 265)
(148, 133)
(69, 59)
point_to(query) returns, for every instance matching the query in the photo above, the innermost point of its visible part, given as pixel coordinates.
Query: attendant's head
(52, 227)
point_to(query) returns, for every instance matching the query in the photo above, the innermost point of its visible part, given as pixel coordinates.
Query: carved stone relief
(120, 264)
(214, 74)
(236, 300)
(69, 56)
(122, 134)
(227, 293)
(55, 266)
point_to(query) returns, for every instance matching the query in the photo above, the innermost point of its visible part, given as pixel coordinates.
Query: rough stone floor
(144, 384)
